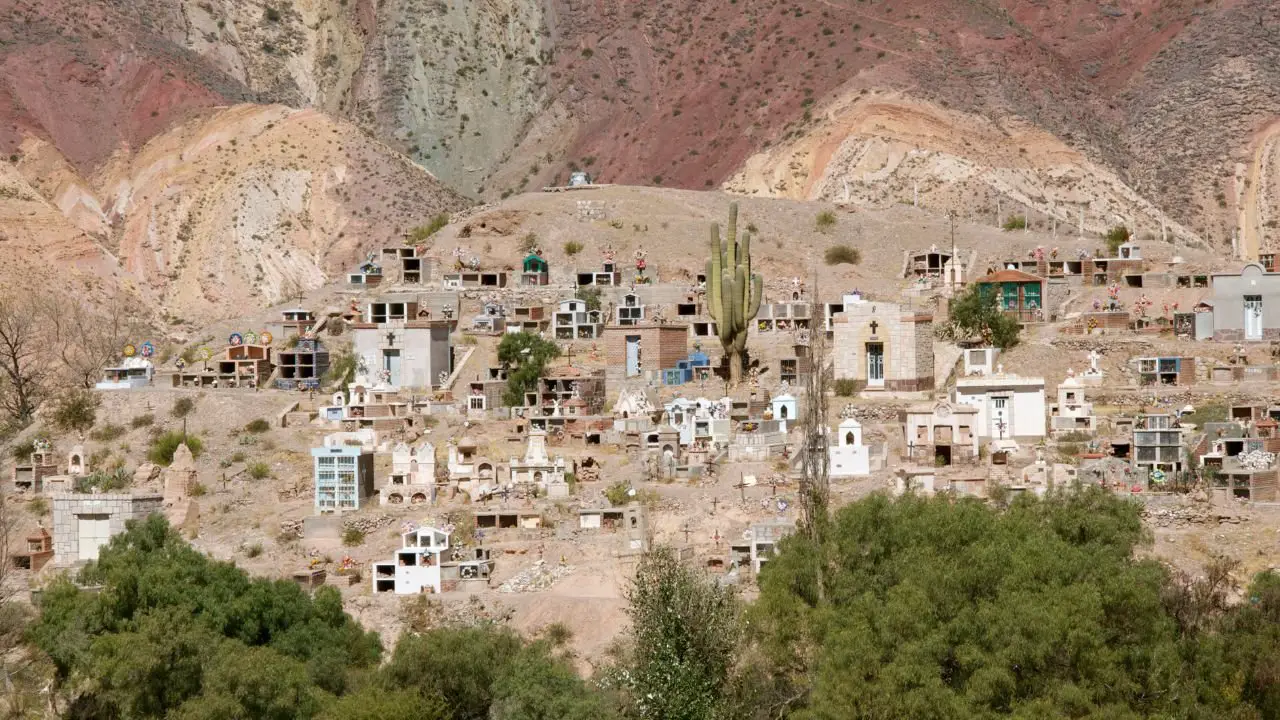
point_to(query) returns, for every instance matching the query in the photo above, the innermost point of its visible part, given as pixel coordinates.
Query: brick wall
(662, 346)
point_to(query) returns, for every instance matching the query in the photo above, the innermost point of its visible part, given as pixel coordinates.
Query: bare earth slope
(1158, 106)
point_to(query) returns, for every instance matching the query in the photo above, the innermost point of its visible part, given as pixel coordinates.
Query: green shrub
(1015, 222)
(258, 426)
(573, 247)
(38, 506)
(183, 407)
(164, 446)
(75, 410)
(529, 242)
(253, 550)
(104, 481)
(1116, 237)
(142, 421)
(618, 494)
(825, 221)
(590, 295)
(420, 234)
(258, 470)
(199, 490)
(107, 433)
(842, 255)
(351, 537)
(846, 387)
(342, 368)
(237, 457)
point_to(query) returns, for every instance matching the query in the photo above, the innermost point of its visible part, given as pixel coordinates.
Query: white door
(94, 531)
(633, 355)
(875, 364)
(1252, 317)
(1000, 418)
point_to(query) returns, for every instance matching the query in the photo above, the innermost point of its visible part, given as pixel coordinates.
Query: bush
(142, 421)
(258, 426)
(846, 387)
(76, 410)
(166, 444)
(104, 481)
(183, 407)
(825, 221)
(420, 234)
(842, 255)
(342, 368)
(529, 242)
(107, 433)
(1015, 222)
(38, 506)
(590, 295)
(351, 537)
(1116, 237)
(573, 247)
(253, 550)
(258, 470)
(618, 494)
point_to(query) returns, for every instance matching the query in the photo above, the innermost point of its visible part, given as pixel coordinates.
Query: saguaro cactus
(733, 293)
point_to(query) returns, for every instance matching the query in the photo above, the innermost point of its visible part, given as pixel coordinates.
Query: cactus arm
(714, 268)
(757, 292)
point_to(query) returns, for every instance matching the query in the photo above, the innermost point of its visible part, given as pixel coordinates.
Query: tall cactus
(733, 293)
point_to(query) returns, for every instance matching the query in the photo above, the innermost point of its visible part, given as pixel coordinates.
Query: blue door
(391, 363)
(633, 355)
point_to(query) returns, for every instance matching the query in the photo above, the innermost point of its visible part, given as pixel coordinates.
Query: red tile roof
(1014, 276)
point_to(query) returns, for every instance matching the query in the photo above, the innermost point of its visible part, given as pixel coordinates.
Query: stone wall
(122, 507)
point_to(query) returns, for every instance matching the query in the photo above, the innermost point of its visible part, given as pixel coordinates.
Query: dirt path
(1251, 208)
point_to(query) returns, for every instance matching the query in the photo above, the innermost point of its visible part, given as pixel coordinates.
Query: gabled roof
(1009, 275)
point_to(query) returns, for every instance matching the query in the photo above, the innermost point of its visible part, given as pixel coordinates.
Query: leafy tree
(684, 629)
(526, 354)
(376, 703)
(174, 629)
(252, 682)
(590, 295)
(459, 665)
(976, 315)
(937, 608)
(1116, 237)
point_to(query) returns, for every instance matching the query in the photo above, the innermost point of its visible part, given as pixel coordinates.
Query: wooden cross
(715, 503)
(686, 532)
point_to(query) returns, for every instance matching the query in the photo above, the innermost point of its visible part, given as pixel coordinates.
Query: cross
(686, 532)
(298, 294)
(391, 338)
(715, 503)
(874, 326)
(742, 488)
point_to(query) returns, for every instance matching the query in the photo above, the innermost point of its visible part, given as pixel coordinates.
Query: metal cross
(874, 327)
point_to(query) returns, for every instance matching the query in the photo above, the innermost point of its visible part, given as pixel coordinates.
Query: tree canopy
(936, 608)
(526, 356)
(976, 315)
(173, 634)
